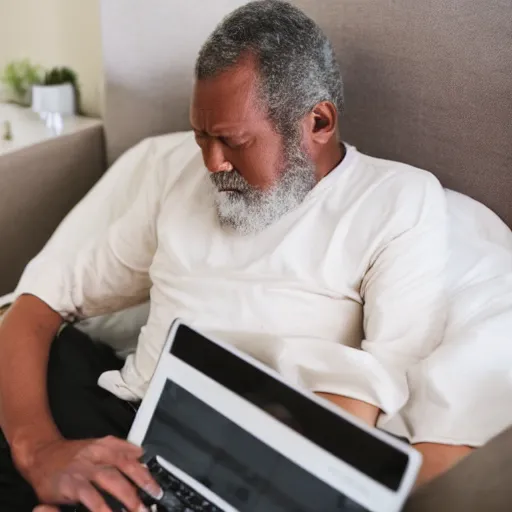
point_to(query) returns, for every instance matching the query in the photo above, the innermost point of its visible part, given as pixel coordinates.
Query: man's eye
(230, 143)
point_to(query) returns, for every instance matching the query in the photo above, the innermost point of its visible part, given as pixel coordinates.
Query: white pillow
(460, 394)
(473, 217)
(480, 242)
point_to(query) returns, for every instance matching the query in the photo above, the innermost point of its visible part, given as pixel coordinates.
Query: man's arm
(437, 458)
(362, 410)
(36, 444)
(404, 304)
(26, 333)
(403, 300)
(106, 276)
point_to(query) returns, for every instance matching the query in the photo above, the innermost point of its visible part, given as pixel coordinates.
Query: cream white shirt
(341, 295)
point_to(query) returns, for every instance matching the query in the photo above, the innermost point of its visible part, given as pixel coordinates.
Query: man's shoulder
(400, 172)
(386, 199)
(397, 180)
(391, 196)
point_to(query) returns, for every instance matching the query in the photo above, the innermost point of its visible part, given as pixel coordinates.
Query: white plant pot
(54, 99)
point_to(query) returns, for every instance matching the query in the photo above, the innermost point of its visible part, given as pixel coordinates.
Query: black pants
(81, 409)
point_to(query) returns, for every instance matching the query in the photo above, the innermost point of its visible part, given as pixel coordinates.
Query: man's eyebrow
(228, 131)
(221, 132)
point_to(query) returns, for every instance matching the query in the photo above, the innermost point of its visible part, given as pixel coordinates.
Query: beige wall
(55, 33)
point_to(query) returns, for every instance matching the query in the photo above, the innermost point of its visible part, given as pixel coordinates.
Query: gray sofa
(39, 185)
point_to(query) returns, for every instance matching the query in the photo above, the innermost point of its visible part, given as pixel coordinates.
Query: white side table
(28, 128)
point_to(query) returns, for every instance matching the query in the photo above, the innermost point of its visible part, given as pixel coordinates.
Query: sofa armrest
(481, 481)
(40, 184)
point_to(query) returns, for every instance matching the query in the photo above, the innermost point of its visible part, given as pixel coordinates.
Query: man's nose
(214, 157)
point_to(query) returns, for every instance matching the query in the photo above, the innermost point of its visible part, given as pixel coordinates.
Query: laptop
(224, 433)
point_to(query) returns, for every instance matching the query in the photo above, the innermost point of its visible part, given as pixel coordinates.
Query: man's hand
(66, 472)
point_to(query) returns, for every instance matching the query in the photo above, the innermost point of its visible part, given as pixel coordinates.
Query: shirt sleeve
(403, 299)
(110, 273)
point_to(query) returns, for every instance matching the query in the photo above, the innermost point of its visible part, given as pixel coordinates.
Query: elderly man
(322, 262)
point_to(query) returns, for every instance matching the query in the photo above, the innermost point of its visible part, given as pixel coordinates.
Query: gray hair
(296, 62)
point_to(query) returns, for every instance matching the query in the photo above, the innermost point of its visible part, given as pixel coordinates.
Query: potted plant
(18, 78)
(58, 92)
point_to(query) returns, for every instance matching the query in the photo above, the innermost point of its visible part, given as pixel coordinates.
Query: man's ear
(320, 125)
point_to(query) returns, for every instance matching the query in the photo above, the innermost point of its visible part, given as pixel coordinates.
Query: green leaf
(19, 76)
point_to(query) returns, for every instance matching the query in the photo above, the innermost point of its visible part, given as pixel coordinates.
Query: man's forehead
(228, 101)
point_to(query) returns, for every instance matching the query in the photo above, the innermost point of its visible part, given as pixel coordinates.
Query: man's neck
(330, 160)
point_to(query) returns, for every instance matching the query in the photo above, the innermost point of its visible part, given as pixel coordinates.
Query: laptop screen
(233, 464)
(240, 468)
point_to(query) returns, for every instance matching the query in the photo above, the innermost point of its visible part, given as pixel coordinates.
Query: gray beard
(247, 210)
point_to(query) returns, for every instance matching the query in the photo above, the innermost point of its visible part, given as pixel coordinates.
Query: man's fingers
(78, 489)
(112, 481)
(101, 463)
(140, 476)
(90, 497)
(124, 456)
(122, 445)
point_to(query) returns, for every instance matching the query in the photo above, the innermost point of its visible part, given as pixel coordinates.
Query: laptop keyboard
(178, 496)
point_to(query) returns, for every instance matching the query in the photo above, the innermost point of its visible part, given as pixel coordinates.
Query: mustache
(231, 180)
